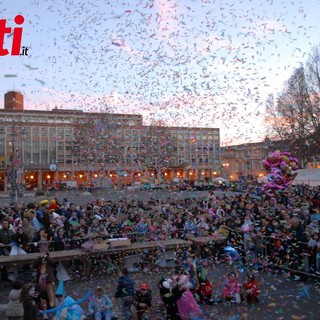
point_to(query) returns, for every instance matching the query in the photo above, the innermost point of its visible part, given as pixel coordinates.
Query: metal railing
(274, 253)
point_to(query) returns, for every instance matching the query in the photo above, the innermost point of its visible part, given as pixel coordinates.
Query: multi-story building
(76, 147)
(244, 161)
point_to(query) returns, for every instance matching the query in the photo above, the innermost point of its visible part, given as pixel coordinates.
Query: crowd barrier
(75, 243)
(271, 252)
(267, 251)
(86, 258)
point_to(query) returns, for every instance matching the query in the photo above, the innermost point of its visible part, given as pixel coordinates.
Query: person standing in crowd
(30, 309)
(187, 304)
(125, 291)
(44, 269)
(28, 228)
(60, 240)
(206, 288)
(246, 229)
(6, 235)
(73, 209)
(100, 306)
(212, 201)
(83, 227)
(142, 300)
(170, 293)
(41, 241)
(141, 230)
(31, 214)
(20, 240)
(73, 220)
(46, 218)
(15, 305)
(314, 252)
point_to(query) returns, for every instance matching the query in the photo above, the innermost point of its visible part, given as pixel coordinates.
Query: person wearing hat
(67, 307)
(100, 305)
(53, 205)
(31, 214)
(142, 300)
(43, 203)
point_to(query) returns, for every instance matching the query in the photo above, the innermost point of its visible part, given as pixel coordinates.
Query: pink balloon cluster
(281, 167)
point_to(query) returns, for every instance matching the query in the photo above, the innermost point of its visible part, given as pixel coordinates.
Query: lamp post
(72, 159)
(16, 163)
(21, 179)
(225, 166)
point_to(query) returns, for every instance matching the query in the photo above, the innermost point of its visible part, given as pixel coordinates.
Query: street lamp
(225, 166)
(73, 145)
(16, 187)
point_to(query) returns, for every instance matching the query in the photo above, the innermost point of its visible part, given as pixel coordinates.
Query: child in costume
(67, 308)
(206, 288)
(187, 304)
(170, 294)
(231, 288)
(250, 289)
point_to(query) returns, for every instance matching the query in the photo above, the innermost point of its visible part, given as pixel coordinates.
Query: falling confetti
(192, 63)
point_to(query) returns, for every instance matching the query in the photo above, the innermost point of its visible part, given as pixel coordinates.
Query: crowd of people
(28, 301)
(263, 232)
(179, 298)
(249, 223)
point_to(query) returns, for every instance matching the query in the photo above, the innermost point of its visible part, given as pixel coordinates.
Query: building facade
(74, 148)
(244, 161)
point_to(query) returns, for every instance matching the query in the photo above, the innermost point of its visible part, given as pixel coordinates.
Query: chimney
(13, 100)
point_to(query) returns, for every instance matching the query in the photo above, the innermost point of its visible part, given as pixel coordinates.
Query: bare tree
(293, 117)
(313, 76)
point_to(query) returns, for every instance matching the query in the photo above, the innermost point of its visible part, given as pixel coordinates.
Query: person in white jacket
(15, 305)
